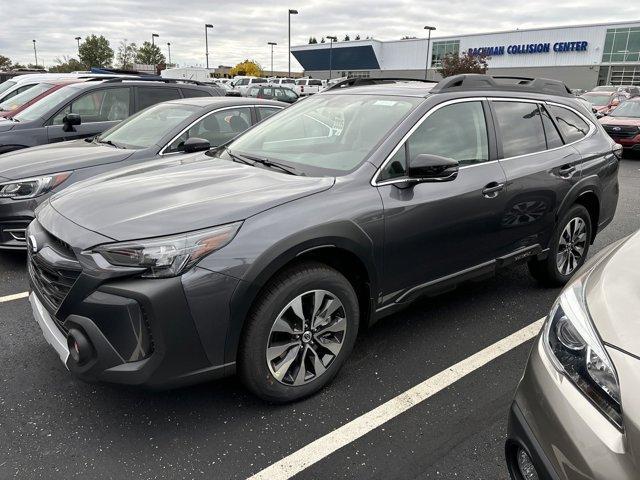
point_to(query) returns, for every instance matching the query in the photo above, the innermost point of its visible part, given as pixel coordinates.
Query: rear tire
(568, 249)
(299, 333)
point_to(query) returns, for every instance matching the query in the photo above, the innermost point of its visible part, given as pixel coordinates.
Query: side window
(218, 127)
(290, 93)
(457, 131)
(315, 83)
(520, 128)
(266, 112)
(148, 96)
(571, 126)
(253, 92)
(267, 92)
(554, 139)
(98, 106)
(192, 92)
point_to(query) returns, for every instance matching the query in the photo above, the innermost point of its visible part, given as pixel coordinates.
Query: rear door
(437, 229)
(99, 110)
(541, 168)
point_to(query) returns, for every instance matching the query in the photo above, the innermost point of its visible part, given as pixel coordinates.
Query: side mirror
(433, 168)
(195, 144)
(70, 120)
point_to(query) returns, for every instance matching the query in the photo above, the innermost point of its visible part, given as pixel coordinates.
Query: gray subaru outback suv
(267, 256)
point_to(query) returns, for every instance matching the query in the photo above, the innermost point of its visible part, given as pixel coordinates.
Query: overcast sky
(242, 28)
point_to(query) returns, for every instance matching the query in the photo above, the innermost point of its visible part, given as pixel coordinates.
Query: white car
(289, 82)
(242, 84)
(308, 86)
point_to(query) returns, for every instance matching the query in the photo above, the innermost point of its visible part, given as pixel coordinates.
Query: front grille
(621, 131)
(53, 283)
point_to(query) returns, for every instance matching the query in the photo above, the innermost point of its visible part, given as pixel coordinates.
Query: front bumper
(156, 333)
(15, 217)
(563, 433)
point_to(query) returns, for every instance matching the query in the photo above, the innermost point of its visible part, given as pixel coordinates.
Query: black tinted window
(456, 131)
(192, 92)
(520, 128)
(551, 132)
(148, 96)
(570, 124)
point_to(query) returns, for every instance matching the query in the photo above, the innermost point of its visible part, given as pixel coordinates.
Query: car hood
(609, 120)
(173, 198)
(59, 157)
(6, 125)
(613, 295)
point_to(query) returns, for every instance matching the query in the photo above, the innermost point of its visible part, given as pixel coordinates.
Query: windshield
(597, 100)
(326, 134)
(627, 109)
(288, 80)
(24, 97)
(4, 86)
(149, 126)
(44, 106)
(301, 82)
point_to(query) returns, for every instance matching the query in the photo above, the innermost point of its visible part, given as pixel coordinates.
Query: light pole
(272, 45)
(331, 40)
(154, 36)
(426, 68)
(78, 40)
(291, 12)
(169, 47)
(207, 26)
(35, 52)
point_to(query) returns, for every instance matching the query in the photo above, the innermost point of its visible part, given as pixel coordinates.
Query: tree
(346, 38)
(66, 65)
(127, 53)
(5, 63)
(322, 40)
(357, 37)
(313, 40)
(248, 67)
(149, 54)
(453, 64)
(96, 52)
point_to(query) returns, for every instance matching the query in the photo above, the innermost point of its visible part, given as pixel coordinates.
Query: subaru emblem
(616, 129)
(32, 245)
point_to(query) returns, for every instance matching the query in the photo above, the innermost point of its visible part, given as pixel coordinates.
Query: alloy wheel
(306, 337)
(572, 245)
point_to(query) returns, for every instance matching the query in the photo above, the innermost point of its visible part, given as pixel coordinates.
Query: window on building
(622, 45)
(440, 49)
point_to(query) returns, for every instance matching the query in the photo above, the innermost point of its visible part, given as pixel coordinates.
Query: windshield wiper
(109, 142)
(238, 158)
(270, 163)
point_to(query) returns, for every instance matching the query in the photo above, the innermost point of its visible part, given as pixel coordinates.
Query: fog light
(527, 470)
(80, 347)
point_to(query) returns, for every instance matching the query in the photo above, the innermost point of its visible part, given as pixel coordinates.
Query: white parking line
(15, 296)
(351, 431)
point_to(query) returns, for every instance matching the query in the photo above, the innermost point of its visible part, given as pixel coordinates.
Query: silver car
(576, 413)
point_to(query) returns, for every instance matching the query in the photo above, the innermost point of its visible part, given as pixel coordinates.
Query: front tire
(299, 333)
(568, 249)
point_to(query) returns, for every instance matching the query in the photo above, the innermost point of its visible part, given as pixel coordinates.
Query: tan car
(576, 413)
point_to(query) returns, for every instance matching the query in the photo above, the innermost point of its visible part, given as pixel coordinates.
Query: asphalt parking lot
(53, 426)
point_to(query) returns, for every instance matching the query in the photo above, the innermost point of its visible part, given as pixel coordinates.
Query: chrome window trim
(163, 151)
(374, 180)
(592, 130)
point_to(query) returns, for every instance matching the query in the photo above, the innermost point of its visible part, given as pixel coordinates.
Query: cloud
(242, 29)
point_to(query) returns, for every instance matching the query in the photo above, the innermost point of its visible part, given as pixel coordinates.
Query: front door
(437, 229)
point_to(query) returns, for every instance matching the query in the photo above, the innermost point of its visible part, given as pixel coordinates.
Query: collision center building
(581, 55)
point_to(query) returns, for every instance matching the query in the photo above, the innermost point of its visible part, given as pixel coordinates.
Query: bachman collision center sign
(530, 48)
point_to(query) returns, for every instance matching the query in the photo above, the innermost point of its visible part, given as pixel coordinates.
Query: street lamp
(331, 40)
(153, 36)
(207, 26)
(35, 52)
(291, 12)
(426, 68)
(169, 47)
(272, 45)
(78, 40)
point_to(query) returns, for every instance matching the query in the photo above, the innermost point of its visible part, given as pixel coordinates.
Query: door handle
(567, 171)
(492, 189)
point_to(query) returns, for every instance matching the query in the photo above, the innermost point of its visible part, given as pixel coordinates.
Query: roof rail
(474, 81)
(143, 78)
(359, 81)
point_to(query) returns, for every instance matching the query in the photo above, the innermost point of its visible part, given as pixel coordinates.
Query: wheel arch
(586, 193)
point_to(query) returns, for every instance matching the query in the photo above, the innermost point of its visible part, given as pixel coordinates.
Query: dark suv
(266, 256)
(88, 108)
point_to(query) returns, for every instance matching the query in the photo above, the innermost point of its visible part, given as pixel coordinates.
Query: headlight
(168, 256)
(576, 350)
(31, 187)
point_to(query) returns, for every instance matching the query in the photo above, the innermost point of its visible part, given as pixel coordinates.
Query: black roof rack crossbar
(359, 81)
(134, 78)
(473, 81)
